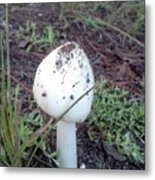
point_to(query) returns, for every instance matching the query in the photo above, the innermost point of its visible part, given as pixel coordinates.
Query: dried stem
(8, 51)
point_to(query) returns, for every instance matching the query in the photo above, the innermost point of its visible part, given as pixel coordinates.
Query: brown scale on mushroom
(71, 97)
(63, 97)
(72, 55)
(44, 94)
(88, 79)
(68, 60)
(75, 84)
(80, 64)
(67, 48)
(58, 64)
(63, 71)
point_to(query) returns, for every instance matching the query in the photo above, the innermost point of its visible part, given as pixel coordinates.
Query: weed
(33, 38)
(120, 121)
(15, 137)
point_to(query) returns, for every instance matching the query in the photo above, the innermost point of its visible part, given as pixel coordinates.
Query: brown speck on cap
(68, 58)
(58, 64)
(67, 48)
(63, 97)
(75, 84)
(71, 97)
(80, 64)
(44, 94)
(88, 80)
(72, 55)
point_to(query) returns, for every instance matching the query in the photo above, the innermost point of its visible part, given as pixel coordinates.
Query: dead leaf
(125, 72)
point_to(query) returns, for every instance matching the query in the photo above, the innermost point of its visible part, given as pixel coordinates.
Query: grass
(127, 18)
(16, 133)
(120, 120)
(31, 38)
(15, 136)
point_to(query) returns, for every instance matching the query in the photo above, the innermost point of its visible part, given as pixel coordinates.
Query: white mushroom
(61, 78)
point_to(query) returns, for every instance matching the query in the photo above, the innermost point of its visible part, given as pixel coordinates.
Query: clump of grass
(32, 37)
(120, 120)
(20, 133)
(15, 136)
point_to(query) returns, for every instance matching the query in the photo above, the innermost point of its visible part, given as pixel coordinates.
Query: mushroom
(61, 78)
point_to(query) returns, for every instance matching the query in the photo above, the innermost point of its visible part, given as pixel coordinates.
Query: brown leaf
(125, 72)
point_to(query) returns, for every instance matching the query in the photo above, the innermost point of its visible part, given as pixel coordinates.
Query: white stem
(66, 144)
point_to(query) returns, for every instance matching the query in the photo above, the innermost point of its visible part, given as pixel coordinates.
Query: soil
(119, 61)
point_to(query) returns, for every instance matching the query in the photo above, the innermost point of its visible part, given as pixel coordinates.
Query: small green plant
(32, 37)
(120, 121)
(65, 9)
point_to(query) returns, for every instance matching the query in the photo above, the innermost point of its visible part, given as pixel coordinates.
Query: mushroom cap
(61, 78)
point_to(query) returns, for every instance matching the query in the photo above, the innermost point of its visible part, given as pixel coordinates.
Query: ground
(114, 55)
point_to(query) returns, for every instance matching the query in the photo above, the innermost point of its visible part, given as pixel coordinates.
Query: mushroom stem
(66, 144)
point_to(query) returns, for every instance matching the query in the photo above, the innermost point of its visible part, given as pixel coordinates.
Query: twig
(97, 51)
(23, 53)
(42, 161)
(8, 50)
(21, 84)
(18, 82)
(120, 31)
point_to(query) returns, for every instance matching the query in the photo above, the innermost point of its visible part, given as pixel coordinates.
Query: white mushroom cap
(61, 78)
